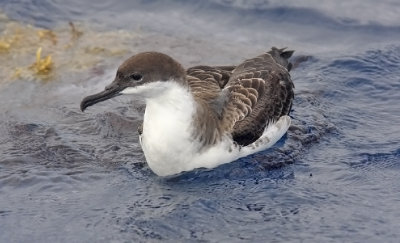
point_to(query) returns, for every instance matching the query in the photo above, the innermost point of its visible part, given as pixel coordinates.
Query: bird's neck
(173, 97)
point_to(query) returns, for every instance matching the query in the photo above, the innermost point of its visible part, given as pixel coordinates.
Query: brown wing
(275, 94)
(217, 74)
(221, 106)
(243, 95)
(206, 85)
(241, 100)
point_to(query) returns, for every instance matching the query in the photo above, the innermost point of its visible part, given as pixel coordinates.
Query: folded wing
(241, 100)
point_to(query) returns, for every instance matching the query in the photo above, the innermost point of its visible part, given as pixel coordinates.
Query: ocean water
(68, 176)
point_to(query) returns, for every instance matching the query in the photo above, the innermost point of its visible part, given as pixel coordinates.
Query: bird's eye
(136, 76)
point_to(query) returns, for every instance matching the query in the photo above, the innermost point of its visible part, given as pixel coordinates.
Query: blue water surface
(67, 176)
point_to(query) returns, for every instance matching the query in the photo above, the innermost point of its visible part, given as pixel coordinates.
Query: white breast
(167, 131)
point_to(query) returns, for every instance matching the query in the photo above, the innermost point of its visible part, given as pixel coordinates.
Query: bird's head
(144, 74)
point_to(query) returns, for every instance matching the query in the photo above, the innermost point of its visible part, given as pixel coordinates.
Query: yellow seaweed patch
(68, 48)
(47, 34)
(17, 73)
(5, 43)
(42, 66)
(4, 46)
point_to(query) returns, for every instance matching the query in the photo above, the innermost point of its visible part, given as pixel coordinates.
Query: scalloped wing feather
(240, 100)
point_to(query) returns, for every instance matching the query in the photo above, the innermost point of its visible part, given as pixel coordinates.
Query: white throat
(156, 89)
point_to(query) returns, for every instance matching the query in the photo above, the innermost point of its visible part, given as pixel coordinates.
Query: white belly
(168, 156)
(166, 150)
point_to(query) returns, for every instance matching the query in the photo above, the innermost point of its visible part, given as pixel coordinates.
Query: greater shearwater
(205, 116)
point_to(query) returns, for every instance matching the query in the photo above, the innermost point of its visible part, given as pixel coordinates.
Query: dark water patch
(357, 64)
(369, 85)
(373, 64)
(376, 161)
(360, 83)
(115, 125)
(43, 144)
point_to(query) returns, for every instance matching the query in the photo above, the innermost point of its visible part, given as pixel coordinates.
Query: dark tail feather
(282, 56)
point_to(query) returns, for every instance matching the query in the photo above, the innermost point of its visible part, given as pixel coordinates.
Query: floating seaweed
(67, 49)
(4, 45)
(49, 35)
(42, 65)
